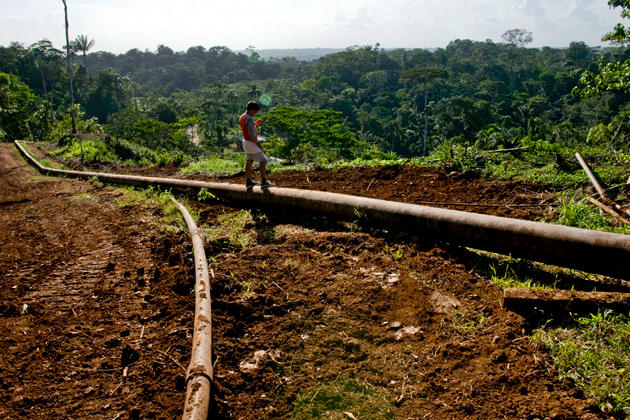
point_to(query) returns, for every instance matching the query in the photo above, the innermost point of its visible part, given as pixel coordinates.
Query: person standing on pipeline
(252, 146)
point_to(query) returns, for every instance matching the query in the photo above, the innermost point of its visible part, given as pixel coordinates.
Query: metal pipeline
(588, 250)
(200, 373)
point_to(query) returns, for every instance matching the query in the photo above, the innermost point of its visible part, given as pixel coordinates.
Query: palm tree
(232, 98)
(253, 91)
(74, 124)
(81, 43)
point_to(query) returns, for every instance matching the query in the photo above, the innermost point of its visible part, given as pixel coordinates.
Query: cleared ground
(312, 311)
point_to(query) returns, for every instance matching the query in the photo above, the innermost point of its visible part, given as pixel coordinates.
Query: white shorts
(253, 152)
(256, 157)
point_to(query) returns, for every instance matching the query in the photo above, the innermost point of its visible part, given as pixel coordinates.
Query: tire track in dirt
(88, 317)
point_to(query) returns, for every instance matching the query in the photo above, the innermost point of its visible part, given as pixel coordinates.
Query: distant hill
(303, 54)
(309, 54)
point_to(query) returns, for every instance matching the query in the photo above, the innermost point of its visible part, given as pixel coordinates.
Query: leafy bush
(17, 103)
(93, 151)
(455, 156)
(320, 134)
(62, 127)
(150, 133)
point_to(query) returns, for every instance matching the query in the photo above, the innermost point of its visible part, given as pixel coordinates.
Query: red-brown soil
(81, 279)
(329, 302)
(415, 322)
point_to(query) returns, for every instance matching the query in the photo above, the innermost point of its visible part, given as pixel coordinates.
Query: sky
(120, 25)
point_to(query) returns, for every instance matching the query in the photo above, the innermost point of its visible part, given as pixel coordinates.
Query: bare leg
(248, 169)
(263, 170)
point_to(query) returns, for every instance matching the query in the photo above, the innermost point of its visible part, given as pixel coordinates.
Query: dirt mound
(429, 186)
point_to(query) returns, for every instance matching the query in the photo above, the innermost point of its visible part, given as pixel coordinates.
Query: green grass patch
(171, 217)
(344, 395)
(229, 231)
(35, 178)
(510, 278)
(93, 151)
(355, 163)
(594, 354)
(468, 324)
(216, 165)
(44, 162)
(131, 154)
(579, 213)
(49, 164)
(554, 164)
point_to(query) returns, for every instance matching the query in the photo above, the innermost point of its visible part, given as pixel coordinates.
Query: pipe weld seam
(194, 375)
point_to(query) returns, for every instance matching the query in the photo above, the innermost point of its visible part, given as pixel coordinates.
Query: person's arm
(258, 124)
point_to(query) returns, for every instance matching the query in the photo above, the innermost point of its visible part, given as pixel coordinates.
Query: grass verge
(170, 219)
(594, 354)
(215, 165)
(229, 231)
(578, 213)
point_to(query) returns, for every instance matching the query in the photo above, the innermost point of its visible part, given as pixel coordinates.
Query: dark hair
(253, 105)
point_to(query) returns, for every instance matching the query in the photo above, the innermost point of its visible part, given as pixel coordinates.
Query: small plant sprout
(397, 254)
(204, 195)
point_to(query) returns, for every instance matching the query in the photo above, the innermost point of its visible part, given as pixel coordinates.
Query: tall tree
(423, 75)
(613, 77)
(44, 58)
(517, 37)
(74, 123)
(83, 44)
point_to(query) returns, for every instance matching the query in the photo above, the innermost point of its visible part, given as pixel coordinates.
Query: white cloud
(119, 25)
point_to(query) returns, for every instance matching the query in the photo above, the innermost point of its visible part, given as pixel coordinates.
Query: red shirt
(247, 123)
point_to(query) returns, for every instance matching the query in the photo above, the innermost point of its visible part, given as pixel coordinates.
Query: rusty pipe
(593, 251)
(200, 373)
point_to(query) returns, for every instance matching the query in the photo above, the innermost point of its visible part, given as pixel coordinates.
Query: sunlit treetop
(612, 77)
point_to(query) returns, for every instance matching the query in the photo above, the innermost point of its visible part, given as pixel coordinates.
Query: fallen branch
(609, 210)
(369, 185)
(446, 203)
(590, 175)
(519, 299)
